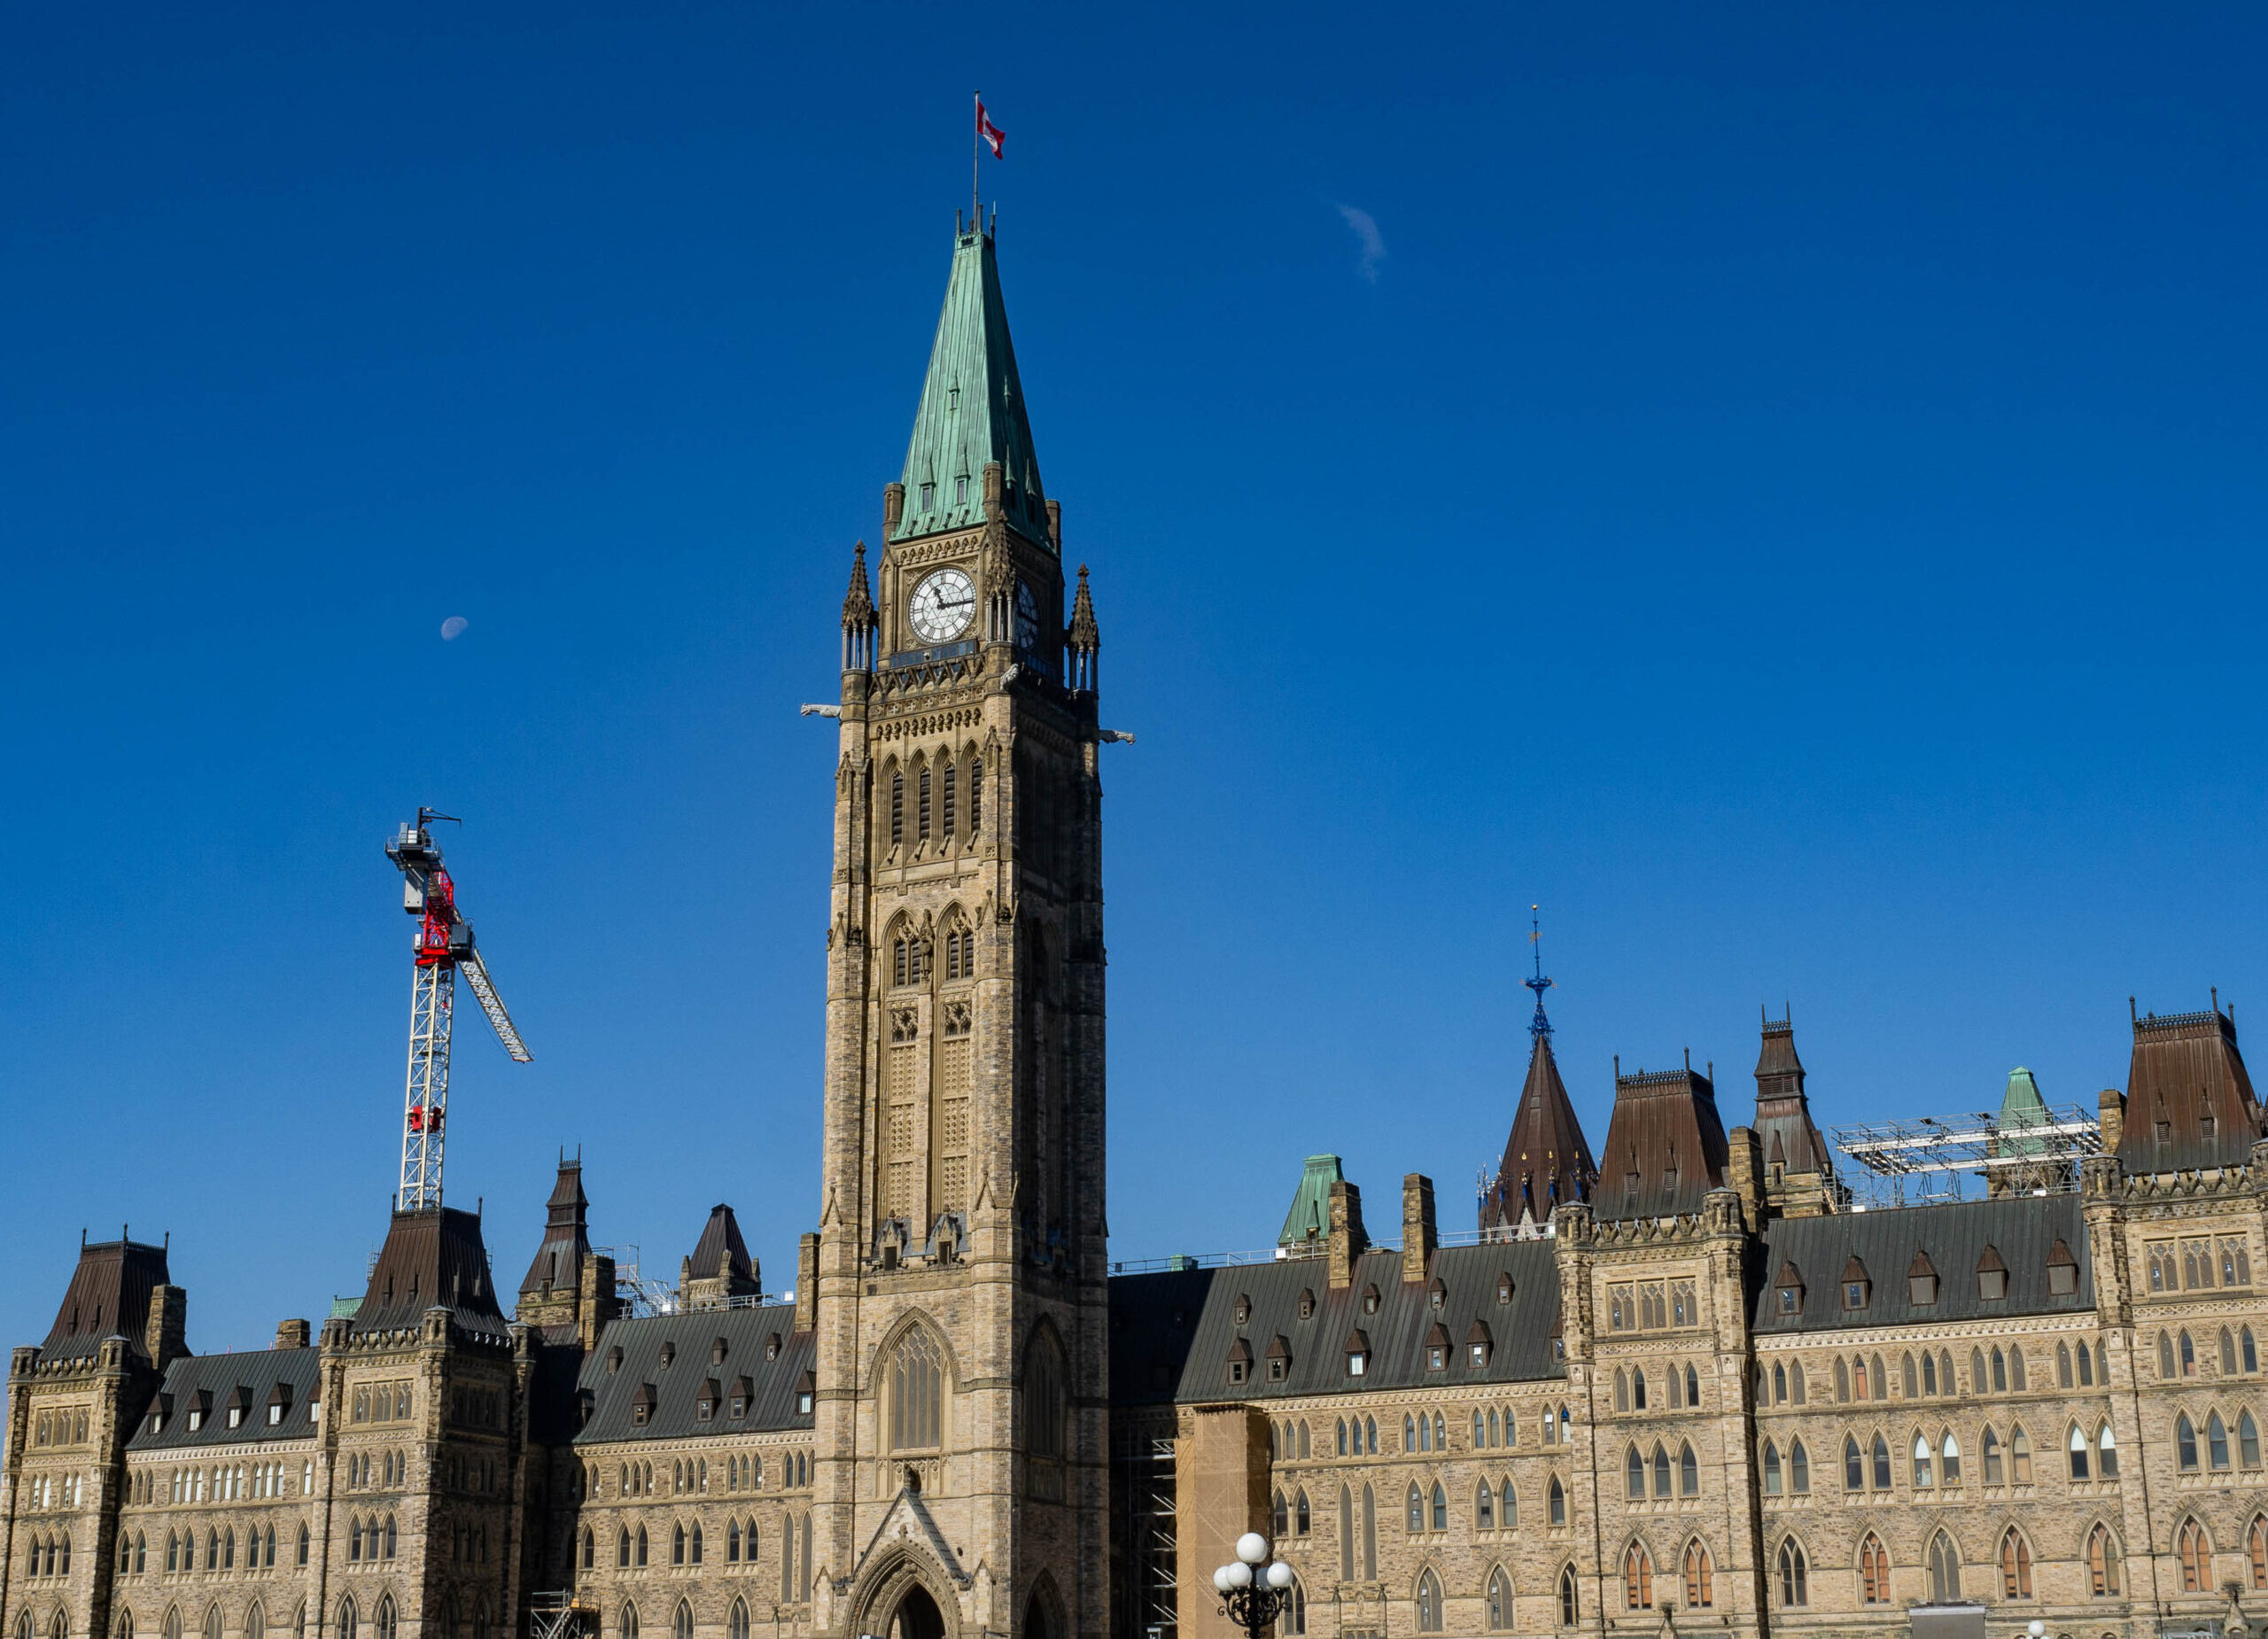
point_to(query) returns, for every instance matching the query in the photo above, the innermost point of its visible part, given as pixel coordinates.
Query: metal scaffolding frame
(1926, 1158)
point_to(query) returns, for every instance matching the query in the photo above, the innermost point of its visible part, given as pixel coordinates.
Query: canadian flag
(988, 133)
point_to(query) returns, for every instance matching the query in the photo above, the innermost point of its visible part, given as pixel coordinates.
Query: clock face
(943, 606)
(1027, 618)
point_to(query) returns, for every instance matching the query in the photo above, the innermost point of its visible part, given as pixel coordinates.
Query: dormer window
(929, 497)
(1358, 1353)
(1479, 1345)
(1306, 1304)
(1922, 1281)
(614, 1360)
(2062, 1270)
(1437, 1294)
(717, 1352)
(279, 1404)
(1244, 1308)
(641, 1408)
(1437, 1349)
(1789, 1289)
(1992, 1276)
(1503, 1289)
(1239, 1361)
(771, 1347)
(668, 1354)
(1369, 1300)
(744, 1391)
(1856, 1287)
(1279, 1360)
(806, 1391)
(705, 1407)
(960, 490)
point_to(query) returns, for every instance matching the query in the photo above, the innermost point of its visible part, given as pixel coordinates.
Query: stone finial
(1086, 636)
(858, 603)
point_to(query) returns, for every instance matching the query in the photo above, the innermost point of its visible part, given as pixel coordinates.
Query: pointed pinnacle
(1086, 636)
(858, 603)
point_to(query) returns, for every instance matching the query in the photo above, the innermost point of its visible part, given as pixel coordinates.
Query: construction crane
(443, 946)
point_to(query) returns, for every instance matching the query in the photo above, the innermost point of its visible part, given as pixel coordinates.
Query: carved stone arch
(898, 1573)
(913, 1320)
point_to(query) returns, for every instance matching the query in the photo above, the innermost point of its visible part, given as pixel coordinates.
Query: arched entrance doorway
(917, 1616)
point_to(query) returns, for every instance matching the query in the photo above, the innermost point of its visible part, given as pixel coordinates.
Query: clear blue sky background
(1783, 490)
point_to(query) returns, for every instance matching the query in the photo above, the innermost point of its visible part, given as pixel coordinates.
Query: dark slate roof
(1171, 1334)
(2021, 1229)
(1664, 1146)
(1784, 1130)
(256, 1374)
(2186, 1069)
(108, 1296)
(1546, 1159)
(721, 1251)
(433, 1257)
(677, 1387)
(558, 1262)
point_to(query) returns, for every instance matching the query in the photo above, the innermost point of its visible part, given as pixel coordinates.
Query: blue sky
(1781, 489)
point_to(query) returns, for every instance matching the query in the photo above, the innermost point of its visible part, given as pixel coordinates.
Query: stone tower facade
(960, 1482)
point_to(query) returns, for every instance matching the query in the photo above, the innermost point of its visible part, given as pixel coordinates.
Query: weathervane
(1539, 1026)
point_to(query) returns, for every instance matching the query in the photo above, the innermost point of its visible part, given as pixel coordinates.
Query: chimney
(1348, 1241)
(167, 1340)
(2111, 1113)
(1745, 1174)
(893, 509)
(1418, 1237)
(807, 1284)
(596, 1304)
(291, 1334)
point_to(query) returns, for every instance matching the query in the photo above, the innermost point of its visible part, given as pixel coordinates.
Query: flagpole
(975, 148)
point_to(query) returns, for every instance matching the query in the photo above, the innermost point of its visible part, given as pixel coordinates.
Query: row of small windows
(1636, 1467)
(942, 784)
(219, 1550)
(1991, 1275)
(254, 1624)
(2190, 1265)
(65, 1427)
(2216, 1443)
(1682, 1385)
(1492, 1429)
(2239, 1355)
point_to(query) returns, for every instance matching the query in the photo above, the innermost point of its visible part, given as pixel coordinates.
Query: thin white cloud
(1366, 230)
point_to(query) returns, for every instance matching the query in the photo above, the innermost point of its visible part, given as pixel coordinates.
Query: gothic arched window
(1429, 1603)
(1637, 1579)
(1873, 1571)
(1795, 1574)
(1945, 1570)
(1570, 1601)
(2196, 1551)
(1500, 1600)
(2102, 1563)
(916, 1393)
(2015, 1565)
(1700, 1578)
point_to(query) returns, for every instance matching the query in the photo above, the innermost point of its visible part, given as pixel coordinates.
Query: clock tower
(958, 1281)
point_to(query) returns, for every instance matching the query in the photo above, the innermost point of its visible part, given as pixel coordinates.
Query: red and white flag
(988, 133)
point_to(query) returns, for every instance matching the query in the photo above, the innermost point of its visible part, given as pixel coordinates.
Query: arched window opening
(916, 1391)
(1949, 1456)
(2184, 1443)
(681, 1623)
(1798, 1469)
(1570, 1604)
(1689, 1473)
(2217, 1442)
(1634, 1476)
(2076, 1445)
(1873, 1571)
(1945, 1570)
(1440, 1508)
(1881, 1464)
(1429, 1603)
(2019, 1456)
(2196, 1552)
(1637, 1579)
(1369, 1537)
(2256, 1546)
(2105, 1452)
(1854, 1464)
(1771, 1466)
(1923, 1475)
(1795, 1573)
(1700, 1578)
(2015, 1565)
(2102, 1563)
(1661, 1471)
(1500, 1601)
(1555, 1499)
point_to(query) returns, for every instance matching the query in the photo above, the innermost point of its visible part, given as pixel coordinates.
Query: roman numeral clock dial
(942, 607)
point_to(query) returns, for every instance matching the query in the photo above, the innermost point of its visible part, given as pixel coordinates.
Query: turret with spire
(1798, 1178)
(1547, 1161)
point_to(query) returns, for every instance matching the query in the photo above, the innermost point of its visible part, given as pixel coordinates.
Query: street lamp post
(1253, 1588)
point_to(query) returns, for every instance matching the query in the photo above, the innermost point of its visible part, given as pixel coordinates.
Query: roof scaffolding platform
(2033, 1149)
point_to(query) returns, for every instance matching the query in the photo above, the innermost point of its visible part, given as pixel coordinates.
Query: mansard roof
(972, 410)
(2189, 1099)
(558, 1262)
(1172, 1333)
(213, 1381)
(689, 1339)
(1784, 1128)
(1664, 1146)
(1547, 1161)
(1953, 1241)
(108, 1296)
(431, 1257)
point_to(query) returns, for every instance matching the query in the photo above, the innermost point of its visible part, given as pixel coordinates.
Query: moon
(453, 627)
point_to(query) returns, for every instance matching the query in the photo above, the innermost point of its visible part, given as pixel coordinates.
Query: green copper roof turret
(972, 412)
(1309, 1218)
(2021, 1107)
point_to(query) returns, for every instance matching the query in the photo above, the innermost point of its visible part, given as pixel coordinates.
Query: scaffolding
(565, 1614)
(1928, 1159)
(1147, 1595)
(640, 1298)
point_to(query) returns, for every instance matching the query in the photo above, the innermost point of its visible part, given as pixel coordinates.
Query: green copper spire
(972, 412)
(1309, 1219)
(2021, 1107)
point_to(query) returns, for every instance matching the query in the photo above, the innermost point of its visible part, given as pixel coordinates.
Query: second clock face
(943, 606)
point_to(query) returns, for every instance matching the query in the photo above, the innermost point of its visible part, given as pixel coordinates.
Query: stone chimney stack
(293, 1334)
(2111, 1111)
(167, 1340)
(807, 1284)
(1419, 1240)
(1348, 1241)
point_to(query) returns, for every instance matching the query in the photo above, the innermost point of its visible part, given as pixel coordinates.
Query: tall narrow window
(1945, 1570)
(946, 814)
(976, 795)
(2015, 1565)
(2256, 1548)
(2105, 1452)
(921, 811)
(1873, 1571)
(1500, 1601)
(2184, 1443)
(1798, 1469)
(1700, 1578)
(916, 1391)
(1771, 1465)
(2196, 1559)
(2102, 1563)
(1794, 1590)
(1429, 1604)
(1346, 1535)
(1569, 1601)
(896, 808)
(1369, 1537)
(2217, 1442)
(1637, 1579)
(1922, 1476)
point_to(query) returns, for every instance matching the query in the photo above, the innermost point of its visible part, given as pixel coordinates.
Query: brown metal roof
(1546, 1159)
(2189, 1102)
(431, 1257)
(558, 1262)
(1664, 1146)
(721, 1251)
(1785, 1128)
(108, 1296)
